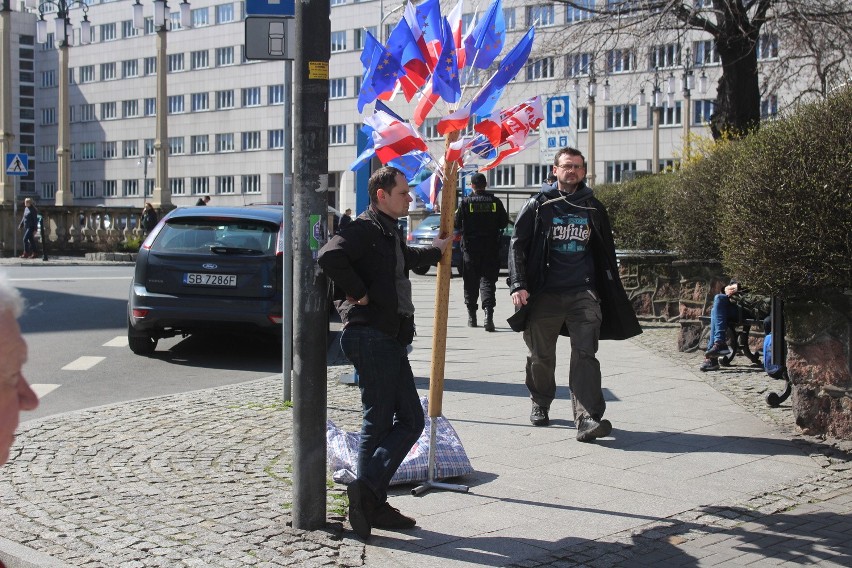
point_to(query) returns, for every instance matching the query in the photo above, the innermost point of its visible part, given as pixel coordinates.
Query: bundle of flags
(424, 57)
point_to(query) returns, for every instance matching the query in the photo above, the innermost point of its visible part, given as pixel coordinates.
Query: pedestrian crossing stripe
(17, 164)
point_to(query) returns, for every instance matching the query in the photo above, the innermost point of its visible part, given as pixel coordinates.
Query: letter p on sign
(558, 112)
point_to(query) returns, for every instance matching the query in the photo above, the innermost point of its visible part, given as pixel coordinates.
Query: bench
(738, 335)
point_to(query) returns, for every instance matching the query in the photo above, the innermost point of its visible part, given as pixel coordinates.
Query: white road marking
(120, 341)
(83, 363)
(43, 390)
(69, 279)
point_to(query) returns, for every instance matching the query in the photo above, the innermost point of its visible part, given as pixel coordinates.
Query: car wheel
(140, 344)
(421, 270)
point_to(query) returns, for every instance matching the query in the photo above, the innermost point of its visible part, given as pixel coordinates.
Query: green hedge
(637, 212)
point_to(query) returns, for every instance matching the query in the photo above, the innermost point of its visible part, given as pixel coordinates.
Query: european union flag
(381, 73)
(445, 79)
(486, 40)
(485, 100)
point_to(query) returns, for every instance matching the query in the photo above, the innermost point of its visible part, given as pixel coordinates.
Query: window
(541, 16)
(71, 113)
(109, 150)
(225, 99)
(87, 74)
(767, 47)
(251, 97)
(149, 25)
(769, 107)
(502, 176)
(275, 95)
(200, 17)
(338, 2)
(48, 153)
(702, 111)
(225, 142)
(176, 145)
(224, 184)
(536, 174)
(149, 66)
(615, 170)
(337, 88)
(250, 184)
(577, 64)
(176, 104)
(150, 107)
(224, 13)
(664, 56)
(539, 69)
(174, 17)
(670, 115)
(199, 59)
(88, 189)
(130, 68)
(705, 53)
(127, 29)
(130, 108)
(149, 146)
(199, 185)
(130, 149)
(251, 140)
(177, 186)
(200, 144)
(149, 184)
(509, 18)
(48, 78)
(337, 134)
(276, 139)
(199, 102)
(108, 71)
(48, 190)
(583, 119)
(430, 129)
(108, 111)
(620, 61)
(110, 188)
(573, 14)
(468, 76)
(130, 188)
(361, 35)
(175, 62)
(338, 41)
(624, 6)
(224, 56)
(620, 116)
(108, 32)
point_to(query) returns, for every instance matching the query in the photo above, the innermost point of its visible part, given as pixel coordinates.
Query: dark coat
(361, 261)
(528, 261)
(149, 220)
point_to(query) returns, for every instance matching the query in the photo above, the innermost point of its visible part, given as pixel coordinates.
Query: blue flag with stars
(485, 43)
(382, 70)
(445, 79)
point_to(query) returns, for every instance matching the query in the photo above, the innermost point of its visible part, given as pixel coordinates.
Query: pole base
(420, 489)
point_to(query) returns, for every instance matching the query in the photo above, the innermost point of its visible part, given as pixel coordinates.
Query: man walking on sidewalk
(369, 263)
(481, 219)
(563, 277)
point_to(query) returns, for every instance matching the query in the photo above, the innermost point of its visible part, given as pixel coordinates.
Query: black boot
(489, 319)
(471, 316)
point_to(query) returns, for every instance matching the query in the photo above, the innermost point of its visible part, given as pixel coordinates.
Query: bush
(637, 212)
(132, 244)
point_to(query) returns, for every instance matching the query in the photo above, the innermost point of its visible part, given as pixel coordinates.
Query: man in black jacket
(564, 276)
(369, 263)
(481, 219)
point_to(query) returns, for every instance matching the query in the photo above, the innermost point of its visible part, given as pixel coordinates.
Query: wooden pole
(442, 286)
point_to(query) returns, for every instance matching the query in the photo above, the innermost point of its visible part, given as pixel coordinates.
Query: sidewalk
(698, 472)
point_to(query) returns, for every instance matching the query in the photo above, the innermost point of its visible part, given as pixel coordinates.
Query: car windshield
(216, 236)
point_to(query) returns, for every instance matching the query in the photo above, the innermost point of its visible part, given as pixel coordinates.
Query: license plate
(204, 279)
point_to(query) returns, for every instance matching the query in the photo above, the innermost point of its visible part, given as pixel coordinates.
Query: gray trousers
(580, 311)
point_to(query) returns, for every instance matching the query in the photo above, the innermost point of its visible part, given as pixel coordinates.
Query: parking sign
(559, 127)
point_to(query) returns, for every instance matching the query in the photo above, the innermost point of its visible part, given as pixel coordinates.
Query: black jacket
(528, 261)
(361, 261)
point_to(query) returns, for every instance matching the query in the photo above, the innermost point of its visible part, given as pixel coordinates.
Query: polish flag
(454, 121)
(393, 138)
(455, 151)
(427, 102)
(455, 20)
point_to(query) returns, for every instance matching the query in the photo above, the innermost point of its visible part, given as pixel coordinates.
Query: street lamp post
(7, 192)
(591, 97)
(144, 162)
(64, 35)
(162, 191)
(656, 107)
(687, 84)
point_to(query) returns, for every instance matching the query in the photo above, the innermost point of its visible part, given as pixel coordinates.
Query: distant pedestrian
(203, 200)
(369, 263)
(548, 183)
(15, 393)
(29, 223)
(149, 218)
(345, 220)
(481, 219)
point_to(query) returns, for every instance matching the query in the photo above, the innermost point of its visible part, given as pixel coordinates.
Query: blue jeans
(722, 311)
(392, 416)
(29, 241)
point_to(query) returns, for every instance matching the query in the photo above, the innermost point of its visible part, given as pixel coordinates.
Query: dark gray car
(207, 269)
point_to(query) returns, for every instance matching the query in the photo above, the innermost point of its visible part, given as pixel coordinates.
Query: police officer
(481, 219)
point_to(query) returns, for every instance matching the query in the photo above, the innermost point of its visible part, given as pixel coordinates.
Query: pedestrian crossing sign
(17, 164)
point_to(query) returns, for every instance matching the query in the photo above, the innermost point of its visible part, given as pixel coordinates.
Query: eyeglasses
(569, 167)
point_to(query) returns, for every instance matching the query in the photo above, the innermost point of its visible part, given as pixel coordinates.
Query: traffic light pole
(310, 317)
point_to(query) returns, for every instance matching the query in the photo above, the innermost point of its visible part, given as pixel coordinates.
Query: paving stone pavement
(203, 479)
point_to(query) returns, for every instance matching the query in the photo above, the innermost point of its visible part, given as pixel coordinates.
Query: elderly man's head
(15, 393)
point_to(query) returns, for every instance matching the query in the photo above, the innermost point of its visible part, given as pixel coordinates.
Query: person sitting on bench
(735, 304)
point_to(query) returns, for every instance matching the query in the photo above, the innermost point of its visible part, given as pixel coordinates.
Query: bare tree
(818, 32)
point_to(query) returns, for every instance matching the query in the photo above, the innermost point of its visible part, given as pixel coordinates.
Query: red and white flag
(455, 151)
(454, 121)
(512, 124)
(393, 138)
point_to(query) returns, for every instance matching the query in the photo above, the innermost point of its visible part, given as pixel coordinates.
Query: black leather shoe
(589, 429)
(361, 505)
(387, 517)
(489, 320)
(539, 416)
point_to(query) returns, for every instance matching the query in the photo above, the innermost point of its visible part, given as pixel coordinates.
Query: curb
(15, 555)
